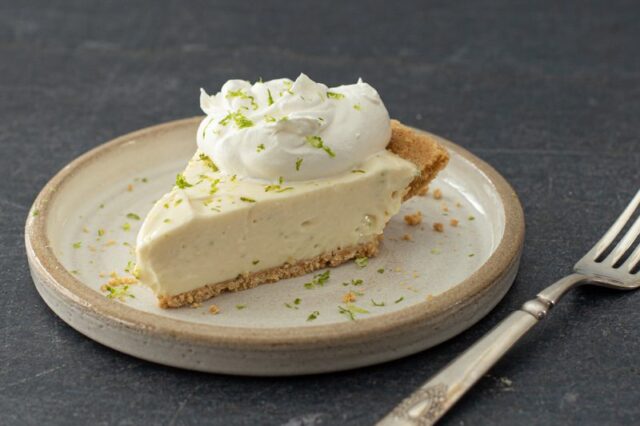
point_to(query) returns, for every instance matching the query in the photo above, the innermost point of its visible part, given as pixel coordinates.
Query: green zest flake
(276, 188)
(334, 95)
(233, 178)
(144, 180)
(316, 142)
(471, 254)
(318, 280)
(101, 232)
(247, 200)
(77, 245)
(358, 171)
(133, 216)
(269, 119)
(242, 95)
(270, 99)
(178, 202)
(435, 251)
(287, 86)
(313, 315)
(374, 303)
(283, 118)
(260, 147)
(119, 292)
(35, 212)
(238, 118)
(350, 310)
(353, 282)
(240, 307)
(298, 164)
(399, 300)
(280, 180)
(381, 271)
(126, 226)
(166, 205)
(102, 206)
(362, 261)
(214, 186)
(129, 267)
(357, 107)
(167, 220)
(472, 218)
(181, 182)
(255, 262)
(295, 304)
(208, 162)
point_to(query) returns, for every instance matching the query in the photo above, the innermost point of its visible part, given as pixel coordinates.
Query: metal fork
(601, 266)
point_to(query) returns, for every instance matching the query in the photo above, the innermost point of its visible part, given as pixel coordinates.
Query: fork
(606, 264)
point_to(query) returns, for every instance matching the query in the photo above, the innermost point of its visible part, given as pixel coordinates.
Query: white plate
(433, 286)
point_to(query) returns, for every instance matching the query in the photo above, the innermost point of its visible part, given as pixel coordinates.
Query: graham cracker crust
(420, 149)
(247, 281)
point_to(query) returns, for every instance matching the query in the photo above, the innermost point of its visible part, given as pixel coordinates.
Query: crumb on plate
(349, 297)
(413, 219)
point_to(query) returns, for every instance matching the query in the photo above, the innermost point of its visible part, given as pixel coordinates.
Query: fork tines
(625, 243)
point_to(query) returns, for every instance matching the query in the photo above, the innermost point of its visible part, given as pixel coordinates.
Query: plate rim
(65, 284)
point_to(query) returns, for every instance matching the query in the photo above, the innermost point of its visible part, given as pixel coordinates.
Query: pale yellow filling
(213, 230)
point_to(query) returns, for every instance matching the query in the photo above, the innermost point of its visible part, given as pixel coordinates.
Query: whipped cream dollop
(295, 130)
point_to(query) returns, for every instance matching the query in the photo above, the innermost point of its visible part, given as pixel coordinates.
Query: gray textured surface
(546, 92)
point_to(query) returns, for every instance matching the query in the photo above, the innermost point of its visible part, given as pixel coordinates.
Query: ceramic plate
(423, 288)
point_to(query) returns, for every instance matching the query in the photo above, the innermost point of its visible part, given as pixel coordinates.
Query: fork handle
(433, 399)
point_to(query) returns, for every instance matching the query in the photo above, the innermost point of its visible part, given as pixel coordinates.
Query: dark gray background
(547, 92)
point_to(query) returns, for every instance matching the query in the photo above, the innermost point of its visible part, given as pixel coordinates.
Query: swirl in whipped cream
(295, 130)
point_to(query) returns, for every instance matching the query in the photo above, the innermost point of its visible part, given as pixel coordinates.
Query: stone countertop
(548, 92)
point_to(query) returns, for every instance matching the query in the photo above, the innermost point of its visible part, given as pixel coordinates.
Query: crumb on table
(437, 194)
(423, 191)
(413, 219)
(454, 222)
(407, 237)
(213, 309)
(438, 227)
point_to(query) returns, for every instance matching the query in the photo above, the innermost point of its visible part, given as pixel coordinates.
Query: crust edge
(271, 275)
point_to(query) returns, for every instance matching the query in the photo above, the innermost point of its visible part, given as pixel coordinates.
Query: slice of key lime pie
(289, 177)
